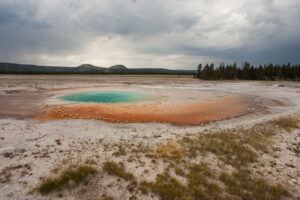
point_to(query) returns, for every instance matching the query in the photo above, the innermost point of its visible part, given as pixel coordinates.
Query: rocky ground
(253, 156)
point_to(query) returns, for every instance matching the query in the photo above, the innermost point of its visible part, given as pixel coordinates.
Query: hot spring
(142, 105)
(110, 96)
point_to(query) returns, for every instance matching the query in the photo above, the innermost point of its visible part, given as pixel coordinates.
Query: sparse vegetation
(198, 187)
(204, 184)
(237, 148)
(117, 170)
(70, 177)
(227, 146)
(287, 123)
(241, 184)
(168, 188)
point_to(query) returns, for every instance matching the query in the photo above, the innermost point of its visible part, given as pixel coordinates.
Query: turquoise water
(111, 96)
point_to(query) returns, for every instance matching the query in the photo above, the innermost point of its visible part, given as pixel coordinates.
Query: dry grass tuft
(70, 177)
(288, 123)
(199, 183)
(117, 170)
(179, 171)
(172, 149)
(168, 188)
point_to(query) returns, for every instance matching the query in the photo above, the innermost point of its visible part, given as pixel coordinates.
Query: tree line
(248, 72)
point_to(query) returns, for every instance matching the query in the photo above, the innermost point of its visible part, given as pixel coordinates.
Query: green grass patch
(70, 177)
(117, 170)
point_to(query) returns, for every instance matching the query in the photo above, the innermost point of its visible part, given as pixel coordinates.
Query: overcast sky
(149, 33)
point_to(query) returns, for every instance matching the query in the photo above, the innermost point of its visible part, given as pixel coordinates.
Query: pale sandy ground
(34, 153)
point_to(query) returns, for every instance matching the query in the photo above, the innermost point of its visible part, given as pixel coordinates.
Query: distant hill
(12, 68)
(88, 67)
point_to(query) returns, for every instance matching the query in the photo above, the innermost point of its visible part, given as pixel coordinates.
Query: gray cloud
(144, 33)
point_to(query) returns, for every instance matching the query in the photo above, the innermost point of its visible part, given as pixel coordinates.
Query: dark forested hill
(11, 68)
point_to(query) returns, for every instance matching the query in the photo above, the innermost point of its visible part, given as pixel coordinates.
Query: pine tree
(199, 71)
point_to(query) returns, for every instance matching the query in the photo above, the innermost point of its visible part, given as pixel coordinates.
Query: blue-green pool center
(109, 96)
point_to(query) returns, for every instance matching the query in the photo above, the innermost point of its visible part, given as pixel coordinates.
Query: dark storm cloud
(137, 19)
(24, 32)
(149, 33)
